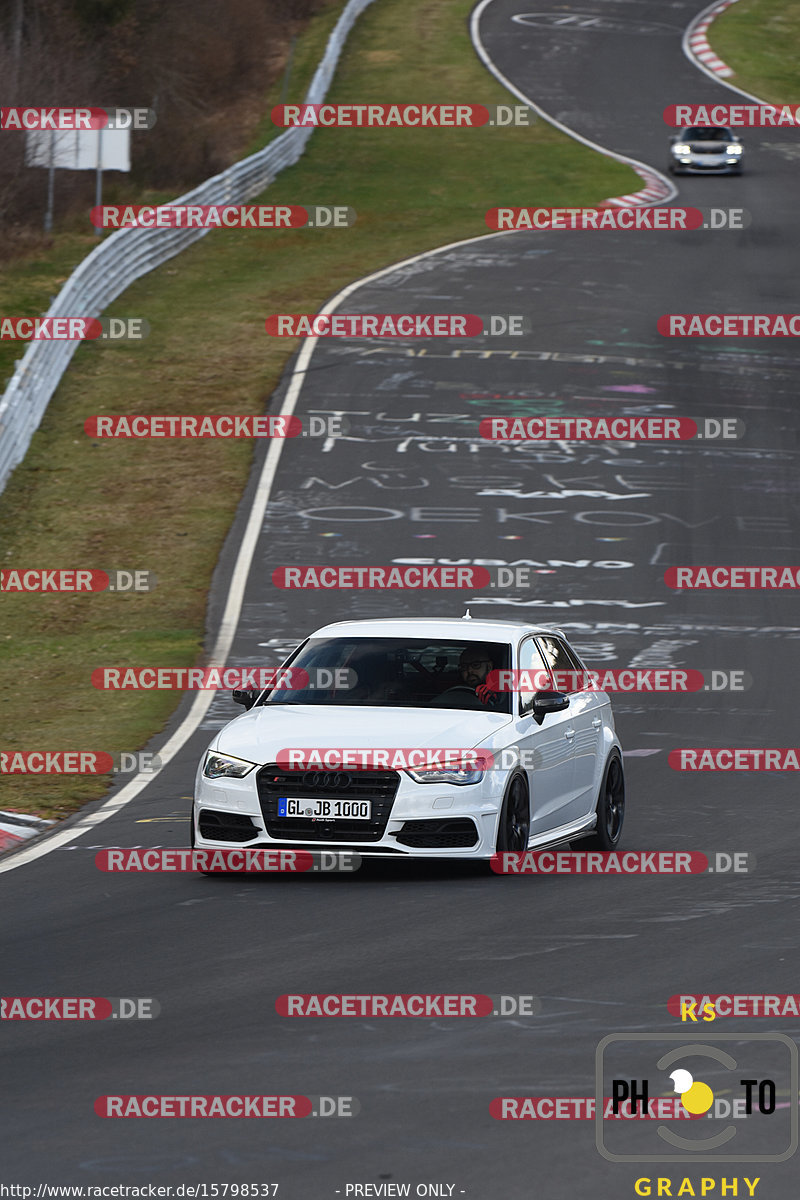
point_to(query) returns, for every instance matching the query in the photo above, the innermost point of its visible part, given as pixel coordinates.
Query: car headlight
(221, 766)
(681, 148)
(734, 149)
(447, 775)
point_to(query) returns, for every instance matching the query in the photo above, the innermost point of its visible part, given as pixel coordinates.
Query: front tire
(514, 828)
(610, 808)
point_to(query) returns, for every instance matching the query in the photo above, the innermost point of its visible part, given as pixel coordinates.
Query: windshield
(396, 672)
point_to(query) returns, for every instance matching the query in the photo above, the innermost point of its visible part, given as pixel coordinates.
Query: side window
(530, 659)
(562, 663)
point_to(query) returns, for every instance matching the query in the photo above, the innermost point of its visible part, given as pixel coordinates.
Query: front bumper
(709, 164)
(408, 819)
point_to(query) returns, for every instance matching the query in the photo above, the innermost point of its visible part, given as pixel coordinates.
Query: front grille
(452, 834)
(706, 149)
(226, 826)
(379, 787)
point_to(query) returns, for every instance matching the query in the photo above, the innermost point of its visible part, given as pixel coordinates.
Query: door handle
(570, 734)
(597, 723)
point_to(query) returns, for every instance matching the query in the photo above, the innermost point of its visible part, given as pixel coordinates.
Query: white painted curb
(695, 41)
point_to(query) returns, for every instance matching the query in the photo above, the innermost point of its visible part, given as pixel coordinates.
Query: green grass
(167, 507)
(760, 40)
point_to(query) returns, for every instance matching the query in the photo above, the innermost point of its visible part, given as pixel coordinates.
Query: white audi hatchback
(417, 738)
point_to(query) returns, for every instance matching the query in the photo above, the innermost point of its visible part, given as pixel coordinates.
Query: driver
(474, 666)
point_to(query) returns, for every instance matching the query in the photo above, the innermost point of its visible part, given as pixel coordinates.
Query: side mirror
(548, 702)
(248, 699)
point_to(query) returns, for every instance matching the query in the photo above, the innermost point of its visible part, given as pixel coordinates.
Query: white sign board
(79, 149)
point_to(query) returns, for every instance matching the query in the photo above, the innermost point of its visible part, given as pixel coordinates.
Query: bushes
(204, 67)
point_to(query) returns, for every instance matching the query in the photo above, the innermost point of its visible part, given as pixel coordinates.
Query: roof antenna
(466, 616)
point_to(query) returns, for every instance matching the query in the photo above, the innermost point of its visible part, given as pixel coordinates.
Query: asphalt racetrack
(413, 480)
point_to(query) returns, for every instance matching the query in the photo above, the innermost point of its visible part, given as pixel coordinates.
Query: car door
(585, 713)
(548, 753)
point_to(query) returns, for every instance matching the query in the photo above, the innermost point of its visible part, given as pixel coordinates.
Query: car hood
(261, 732)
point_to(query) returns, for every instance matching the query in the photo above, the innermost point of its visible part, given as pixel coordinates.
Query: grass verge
(760, 40)
(166, 507)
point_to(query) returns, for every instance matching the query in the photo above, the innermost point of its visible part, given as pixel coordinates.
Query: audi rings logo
(330, 780)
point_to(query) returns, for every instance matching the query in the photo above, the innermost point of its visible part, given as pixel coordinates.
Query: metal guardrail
(130, 253)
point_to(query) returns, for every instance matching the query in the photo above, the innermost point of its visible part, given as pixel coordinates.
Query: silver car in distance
(704, 150)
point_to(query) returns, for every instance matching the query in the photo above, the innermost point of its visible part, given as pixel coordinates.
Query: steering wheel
(452, 691)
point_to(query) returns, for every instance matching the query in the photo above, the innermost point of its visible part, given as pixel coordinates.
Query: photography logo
(696, 1098)
(729, 1089)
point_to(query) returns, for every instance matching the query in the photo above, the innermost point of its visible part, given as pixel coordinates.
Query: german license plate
(324, 810)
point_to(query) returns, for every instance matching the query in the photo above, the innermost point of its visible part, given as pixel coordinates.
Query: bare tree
(203, 66)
